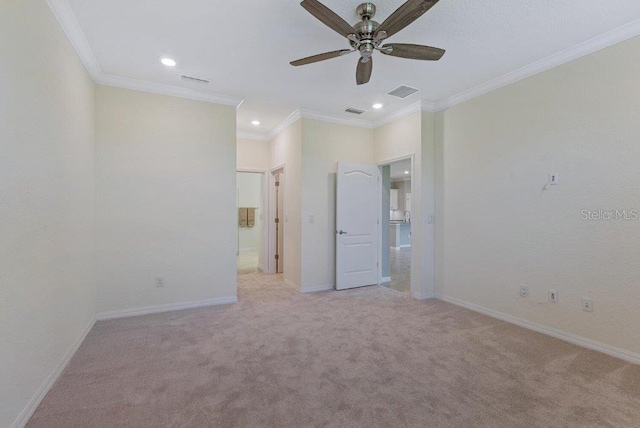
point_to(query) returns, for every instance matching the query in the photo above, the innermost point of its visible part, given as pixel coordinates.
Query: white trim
(247, 249)
(401, 113)
(385, 279)
(166, 308)
(69, 23)
(360, 123)
(580, 50)
(326, 287)
(162, 89)
(402, 246)
(423, 296)
(35, 401)
(623, 354)
(286, 123)
(252, 136)
(291, 284)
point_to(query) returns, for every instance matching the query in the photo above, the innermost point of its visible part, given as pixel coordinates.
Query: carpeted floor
(360, 358)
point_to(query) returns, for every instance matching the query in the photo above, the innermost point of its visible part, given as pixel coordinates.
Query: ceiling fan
(367, 35)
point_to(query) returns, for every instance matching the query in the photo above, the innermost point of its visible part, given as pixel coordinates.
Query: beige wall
(47, 231)
(324, 145)
(503, 228)
(253, 154)
(286, 149)
(166, 200)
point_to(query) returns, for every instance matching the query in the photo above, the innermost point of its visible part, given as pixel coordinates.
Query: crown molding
(287, 122)
(252, 136)
(159, 88)
(360, 123)
(69, 23)
(595, 44)
(64, 14)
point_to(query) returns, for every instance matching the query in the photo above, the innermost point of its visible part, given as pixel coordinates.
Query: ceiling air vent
(403, 91)
(354, 110)
(197, 80)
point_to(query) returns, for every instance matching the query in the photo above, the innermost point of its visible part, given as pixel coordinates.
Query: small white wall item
(393, 200)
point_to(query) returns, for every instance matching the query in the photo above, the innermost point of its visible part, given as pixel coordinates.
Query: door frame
(272, 238)
(265, 205)
(414, 282)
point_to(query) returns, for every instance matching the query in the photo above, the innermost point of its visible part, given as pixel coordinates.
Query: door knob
(342, 232)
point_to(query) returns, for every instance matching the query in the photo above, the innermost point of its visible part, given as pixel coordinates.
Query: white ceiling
(398, 170)
(244, 47)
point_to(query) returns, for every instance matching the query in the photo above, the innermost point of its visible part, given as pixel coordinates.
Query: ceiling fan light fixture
(255, 122)
(377, 106)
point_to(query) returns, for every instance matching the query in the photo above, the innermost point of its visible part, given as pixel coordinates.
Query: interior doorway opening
(250, 233)
(396, 226)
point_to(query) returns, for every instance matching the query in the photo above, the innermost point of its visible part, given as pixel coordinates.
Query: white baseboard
(247, 249)
(326, 287)
(623, 354)
(401, 246)
(423, 296)
(385, 279)
(166, 308)
(35, 401)
(292, 285)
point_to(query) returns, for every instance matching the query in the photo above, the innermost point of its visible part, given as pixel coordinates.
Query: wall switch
(553, 296)
(159, 281)
(587, 304)
(524, 291)
(553, 179)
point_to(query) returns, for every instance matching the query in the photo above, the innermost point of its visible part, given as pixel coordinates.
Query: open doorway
(250, 236)
(396, 225)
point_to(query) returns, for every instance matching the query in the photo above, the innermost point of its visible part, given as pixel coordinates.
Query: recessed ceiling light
(406, 172)
(255, 122)
(168, 62)
(377, 106)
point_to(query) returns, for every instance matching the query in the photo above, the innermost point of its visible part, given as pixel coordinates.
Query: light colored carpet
(361, 358)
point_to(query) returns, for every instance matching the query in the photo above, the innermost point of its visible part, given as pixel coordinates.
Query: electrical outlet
(587, 304)
(159, 281)
(524, 291)
(553, 179)
(553, 296)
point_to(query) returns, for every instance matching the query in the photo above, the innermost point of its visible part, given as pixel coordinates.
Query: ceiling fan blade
(405, 15)
(328, 17)
(405, 50)
(363, 72)
(320, 57)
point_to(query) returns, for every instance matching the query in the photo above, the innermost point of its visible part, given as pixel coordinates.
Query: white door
(357, 229)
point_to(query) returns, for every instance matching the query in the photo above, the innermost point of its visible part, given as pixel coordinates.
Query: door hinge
(277, 220)
(277, 183)
(277, 256)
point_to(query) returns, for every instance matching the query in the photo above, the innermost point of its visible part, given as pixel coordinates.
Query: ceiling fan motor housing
(366, 10)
